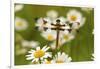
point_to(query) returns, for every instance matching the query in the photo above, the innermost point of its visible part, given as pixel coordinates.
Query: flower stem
(39, 60)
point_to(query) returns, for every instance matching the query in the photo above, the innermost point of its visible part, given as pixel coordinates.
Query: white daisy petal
(29, 55)
(31, 51)
(33, 60)
(45, 56)
(46, 48)
(29, 58)
(48, 54)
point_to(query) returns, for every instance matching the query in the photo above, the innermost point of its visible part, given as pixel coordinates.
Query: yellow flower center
(73, 18)
(39, 53)
(48, 62)
(59, 61)
(66, 37)
(19, 24)
(50, 37)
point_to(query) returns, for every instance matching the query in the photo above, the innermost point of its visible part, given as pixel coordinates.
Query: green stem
(39, 60)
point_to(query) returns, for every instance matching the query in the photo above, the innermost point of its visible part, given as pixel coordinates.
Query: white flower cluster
(72, 22)
(40, 56)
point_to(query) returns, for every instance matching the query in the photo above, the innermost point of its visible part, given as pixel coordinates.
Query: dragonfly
(58, 27)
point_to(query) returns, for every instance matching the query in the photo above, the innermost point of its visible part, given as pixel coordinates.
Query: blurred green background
(79, 49)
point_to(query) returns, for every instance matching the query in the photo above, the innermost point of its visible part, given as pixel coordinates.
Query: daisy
(66, 37)
(50, 35)
(75, 18)
(29, 44)
(18, 7)
(38, 54)
(61, 58)
(20, 24)
(52, 14)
